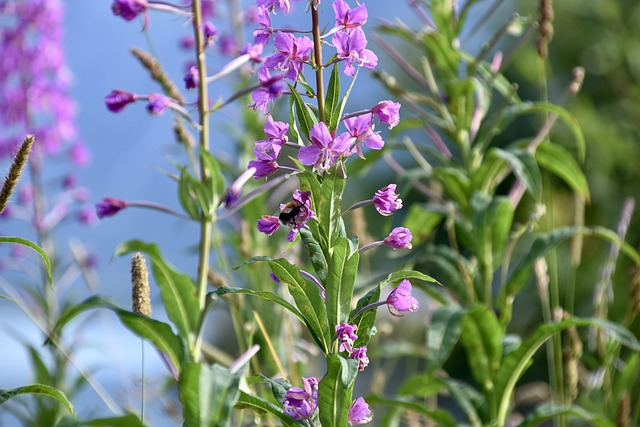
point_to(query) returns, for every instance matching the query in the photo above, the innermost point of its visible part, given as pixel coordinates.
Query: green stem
(203, 112)
(317, 55)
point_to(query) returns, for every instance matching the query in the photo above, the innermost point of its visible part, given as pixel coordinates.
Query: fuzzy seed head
(140, 291)
(15, 171)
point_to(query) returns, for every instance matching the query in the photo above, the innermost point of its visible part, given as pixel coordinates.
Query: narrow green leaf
(365, 322)
(334, 391)
(441, 417)
(307, 298)
(557, 160)
(267, 296)
(329, 206)
(422, 222)
(45, 390)
(176, 289)
(443, 334)
(516, 362)
(129, 420)
(38, 249)
(482, 339)
(251, 261)
(186, 195)
(260, 406)
(525, 168)
(215, 180)
(409, 274)
(316, 255)
(343, 267)
(343, 103)
(306, 118)
(467, 397)
(332, 98)
(553, 411)
(421, 386)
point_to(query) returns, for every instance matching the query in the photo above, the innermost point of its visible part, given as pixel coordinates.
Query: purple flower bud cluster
(157, 103)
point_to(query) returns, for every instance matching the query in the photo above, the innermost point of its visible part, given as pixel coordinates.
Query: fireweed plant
(35, 85)
(309, 67)
(484, 226)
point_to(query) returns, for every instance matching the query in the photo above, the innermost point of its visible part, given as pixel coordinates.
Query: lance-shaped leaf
(306, 117)
(176, 289)
(366, 320)
(329, 206)
(553, 411)
(332, 99)
(343, 267)
(440, 416)
(261, 406)
(442, 334)
(42, 389)
(38, 249)
(307, 298)
(525, 168)
(334, 390)
(560, 162)
(129, 420)
(316, 255)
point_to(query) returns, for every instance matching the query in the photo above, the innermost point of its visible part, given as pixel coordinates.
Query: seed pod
(545, 28)
(140, 291)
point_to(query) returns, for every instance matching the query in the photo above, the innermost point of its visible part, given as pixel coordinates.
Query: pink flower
(400, 299)
(351, 48)
(301, 403)
(386, 200)
(360, 353)
(347, 18)
(269, 149)
(324, 150)
(192, 78)
(292, 54)
(109, 206)
(346, 335)
(128, 9)
(359, 413)
(399, 238)
(387, 112)
(361, 130)
(117, 99)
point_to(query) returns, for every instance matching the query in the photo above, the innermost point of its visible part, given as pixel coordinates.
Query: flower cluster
(157, 104)
(294, 215)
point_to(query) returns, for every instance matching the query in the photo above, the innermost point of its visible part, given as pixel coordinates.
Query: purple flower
(187, 42)
(386, 201)
(324, 150)
(87, 216)
(227, 45)
(399, 238)
(192, 78)
(269, 149)
(118, 99)
(268, 224)
(301, 403)
(128, 9)
(210, 32)
(109, 206)
(157, 104)
(263, 168)
(347, 18)
(292, 54)
(387, 112)
(346, 335)
(271, 4)
(263, 34)
(361, 130)
(274, 277)
(400, 299)
(79, 154)
(351, 48)
(254, 51)
(360, 353)
(270, 88)
(359, 412)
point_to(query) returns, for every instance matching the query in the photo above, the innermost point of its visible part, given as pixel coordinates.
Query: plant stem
(203, 112)
(317, 55)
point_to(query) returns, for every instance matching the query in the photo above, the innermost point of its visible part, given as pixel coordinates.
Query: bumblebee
(289, 213)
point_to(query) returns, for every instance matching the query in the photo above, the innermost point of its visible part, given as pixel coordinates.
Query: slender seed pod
(19, 161)
(140, 291)
(577, 79)
(158, 74)
(623, 417)
(545, 28)
(572, 354)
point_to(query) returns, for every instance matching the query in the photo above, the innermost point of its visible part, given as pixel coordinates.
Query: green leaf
(557, 160)
(516, 362)
(626, 378)
(267, 296)
(524, 167)
(208, 394)
(306, 118)
(176, 289)
(332, 98)
(308, 300)
(482, 339)
(158, 333)
(409, 274)
(316, 255)
(129, 420)
(422, 222)
(260, 406)
(38, 249)
(443, 334)
(365, 322)
(552, 411)
(423, 385)
(467, 397)
(343, 267)
(187, 194)
(441, 417)
(214, 181)
(334, 390)
(45, 390)
(329, 205)
(456, 184)
(251, 261)
(340, 108)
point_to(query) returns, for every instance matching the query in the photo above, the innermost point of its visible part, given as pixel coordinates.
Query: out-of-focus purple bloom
(25, 194)
(157, 104)
(360, 353)
(234, 191)
(361, 130)
(263, 34)
(324, 150)
(386, 200)
(351, 48)
(347, 18)
(187, 42)
(346, 335)
(117, 99)
(227, 45)
(128, 9)
(359, 413)
(69, 181)
(210, 32)
(274, 277)
(87, 216)
(263, 168)
(399, 238)
(270, 88)
(192, 78)
(79, 154)
(269, 149)
(291, 55)
(400, 299)
(387, 112)
(301, 403)
(254, 51)
(271, 4)
(109, 206)
(268, 224)
(250, 15)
